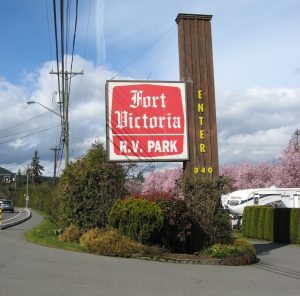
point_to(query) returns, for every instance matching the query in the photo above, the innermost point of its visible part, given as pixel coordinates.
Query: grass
(237, 234)
(46, 234)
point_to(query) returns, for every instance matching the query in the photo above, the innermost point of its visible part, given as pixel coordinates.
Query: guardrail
(4, 225)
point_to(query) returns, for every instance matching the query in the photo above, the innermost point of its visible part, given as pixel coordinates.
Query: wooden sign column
(196, 69)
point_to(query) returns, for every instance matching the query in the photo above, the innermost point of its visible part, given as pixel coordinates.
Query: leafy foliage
(240, 253)
(41, 197)
(110, 242)
(220, 251)
(254, 222)
(138, 219)
(71, 234)
(268, 225)
(204, 200)
(88, 189)
(177, 226)
(36, 169)
(295, 226)
(261, 222)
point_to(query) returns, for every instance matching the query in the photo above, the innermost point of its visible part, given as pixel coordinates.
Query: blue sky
(256, 49)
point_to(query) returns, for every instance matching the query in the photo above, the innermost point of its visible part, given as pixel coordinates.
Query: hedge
(268, 225)
(246, 221)
(295, 226)
(139, 219)
(261, 223)
(274, 224)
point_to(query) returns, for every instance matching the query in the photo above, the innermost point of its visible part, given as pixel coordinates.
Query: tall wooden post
(196, 69)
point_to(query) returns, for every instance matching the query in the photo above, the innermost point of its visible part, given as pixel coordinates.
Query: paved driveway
(31, 270)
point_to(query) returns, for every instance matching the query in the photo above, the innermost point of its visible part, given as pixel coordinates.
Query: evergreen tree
(36, 169)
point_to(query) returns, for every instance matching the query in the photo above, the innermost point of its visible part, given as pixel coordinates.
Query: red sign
(146, 121)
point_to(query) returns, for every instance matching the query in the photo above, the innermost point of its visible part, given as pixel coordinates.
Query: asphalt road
(11, 218)
(30, 270)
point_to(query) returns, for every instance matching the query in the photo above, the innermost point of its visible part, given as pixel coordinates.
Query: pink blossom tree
(287, 173)
(248, 175)
(162, 181)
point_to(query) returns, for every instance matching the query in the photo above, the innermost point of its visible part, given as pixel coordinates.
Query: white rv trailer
(236, 201)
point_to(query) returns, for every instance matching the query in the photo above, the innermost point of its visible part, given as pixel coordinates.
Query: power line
(22, 122)
(56, 48)
(20, 132)
(142, 53)
(18, 138)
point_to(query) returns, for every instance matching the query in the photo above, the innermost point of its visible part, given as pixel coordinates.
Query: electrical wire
(21, 132)
(73, 44)
(22, 123)
(18, 138)
(161, 55)
(56, 49)
(142, 53)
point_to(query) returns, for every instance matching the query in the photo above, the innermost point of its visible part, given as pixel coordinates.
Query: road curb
(27, 217)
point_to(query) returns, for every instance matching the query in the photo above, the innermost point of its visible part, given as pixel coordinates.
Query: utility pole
(66, 76)
(27, 196)
(55, 161)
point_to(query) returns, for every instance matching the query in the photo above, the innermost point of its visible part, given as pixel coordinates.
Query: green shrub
(41, 197)
(261, 222)
(221, 251)
(295, 226)
(139, 219)
(246, 246)
(268, 227)
(109, 242)
(222, 228)
(254, 222)
(204, 200)
(88, 189)
(241, 253)
(177, 224)
(247, 215)
(70, 234)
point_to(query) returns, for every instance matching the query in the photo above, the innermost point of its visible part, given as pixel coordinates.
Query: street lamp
(35, 102)
(65, 128)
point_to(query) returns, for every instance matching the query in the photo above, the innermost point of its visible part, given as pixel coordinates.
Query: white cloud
(256, 124)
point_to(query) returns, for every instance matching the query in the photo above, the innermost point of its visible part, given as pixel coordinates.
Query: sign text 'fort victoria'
(146, 121)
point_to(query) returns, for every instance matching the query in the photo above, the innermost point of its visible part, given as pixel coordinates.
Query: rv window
(234, 202)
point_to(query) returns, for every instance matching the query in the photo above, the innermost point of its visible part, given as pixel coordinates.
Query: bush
(295, 226)
(247, 214)
(139, 219)
(41, 197)
(204, 200)
(88, 189)
(109, 242)
(222, 227)
(246, 246)
(70, 234)
(268, 227)
(261, 222)
(254, 222)
(177, 224)
(221, 251)
(241, 253)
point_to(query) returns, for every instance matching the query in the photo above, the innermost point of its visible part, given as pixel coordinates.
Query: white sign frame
(112, 156)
